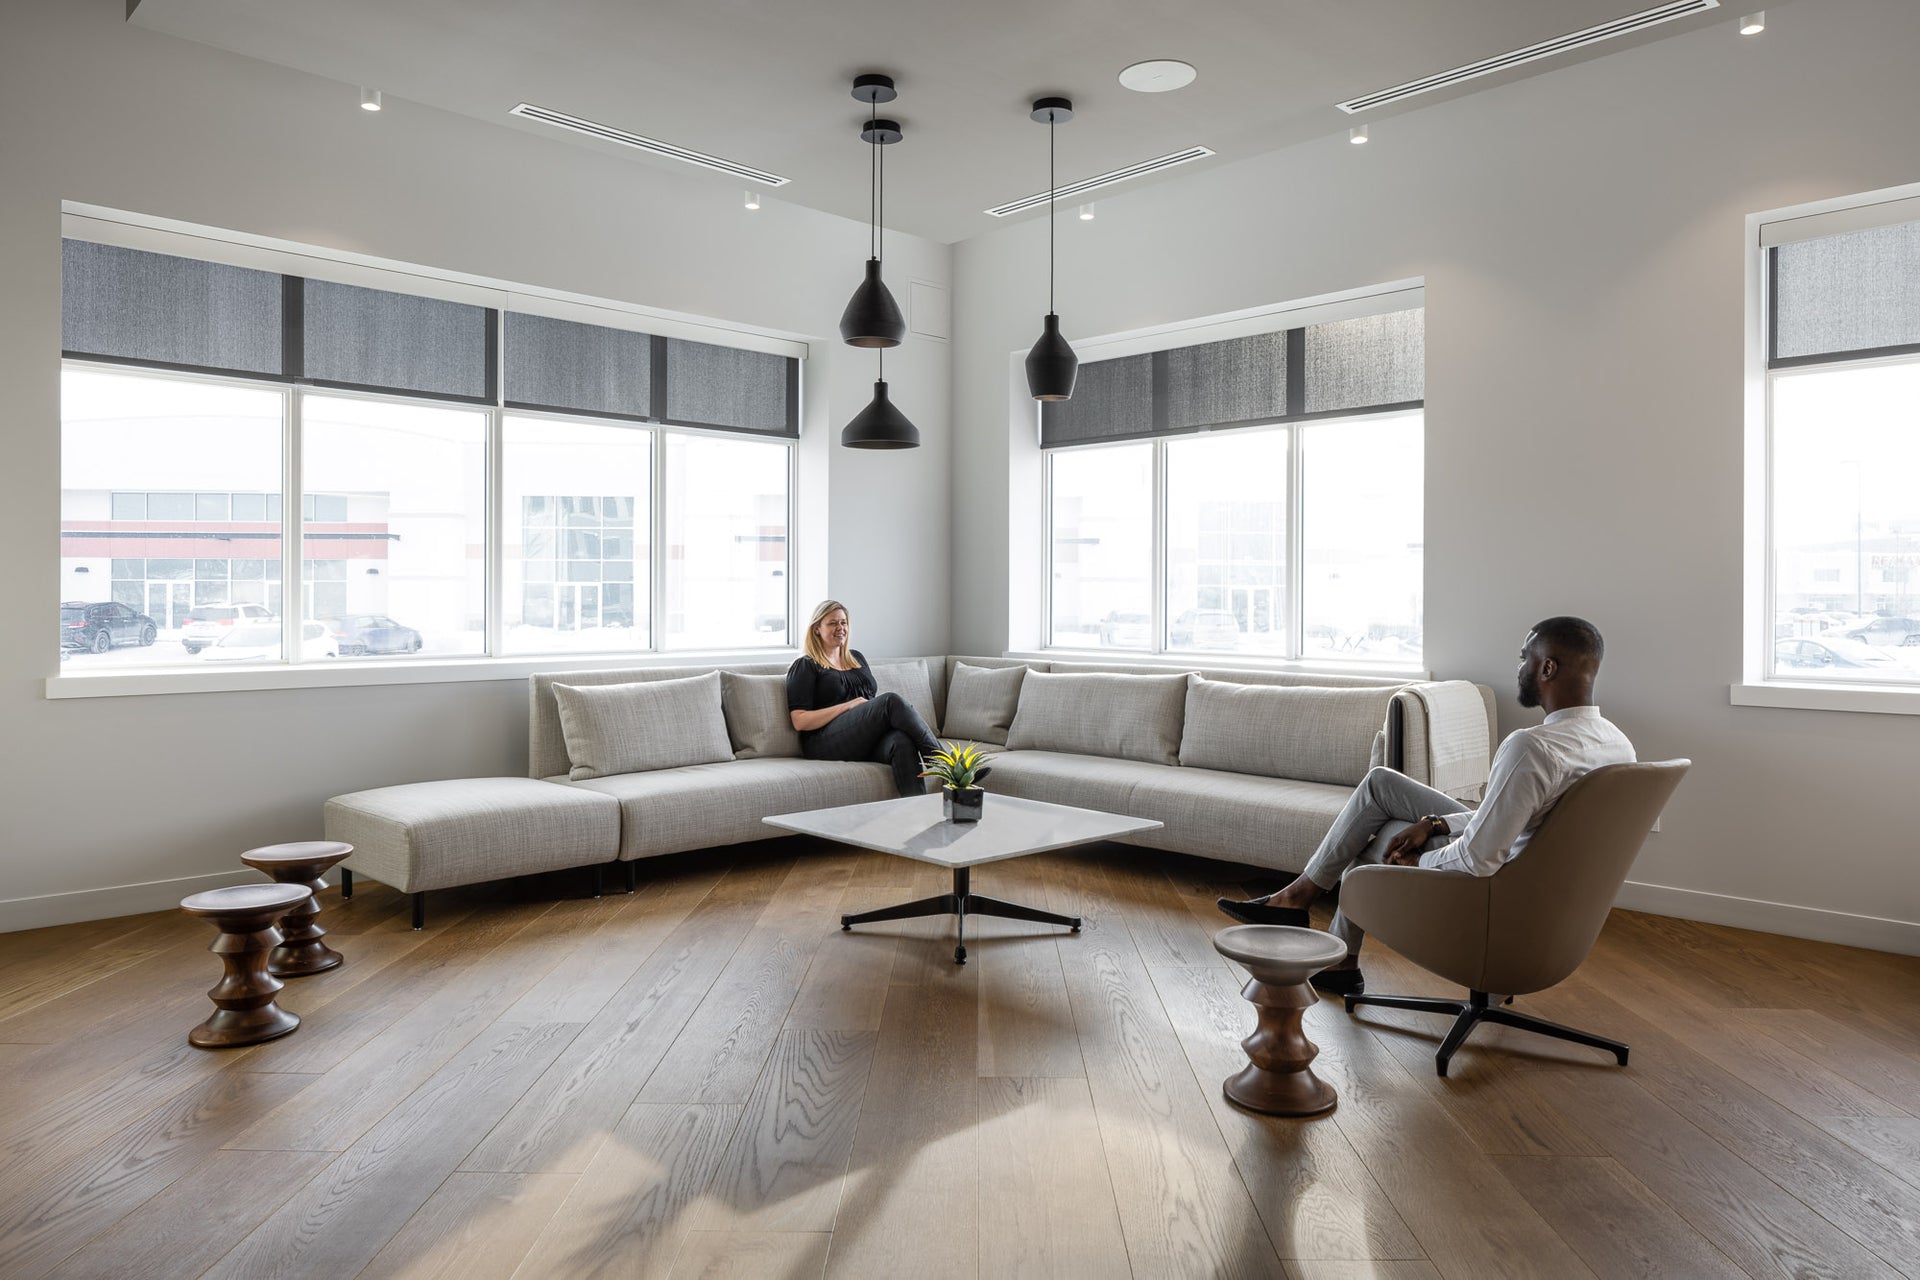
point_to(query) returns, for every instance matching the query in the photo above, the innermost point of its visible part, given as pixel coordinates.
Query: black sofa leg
(346, 884)
(599, 879)
(633, 876)
(419, 911)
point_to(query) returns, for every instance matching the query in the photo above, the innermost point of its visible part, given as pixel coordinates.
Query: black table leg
(961, 903)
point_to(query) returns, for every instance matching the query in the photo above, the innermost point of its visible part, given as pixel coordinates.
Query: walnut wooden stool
(1278, 1080)
(244, 914)
(305, 863)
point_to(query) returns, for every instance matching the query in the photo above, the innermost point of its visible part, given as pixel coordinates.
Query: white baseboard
(1873, 932)
(115, 900)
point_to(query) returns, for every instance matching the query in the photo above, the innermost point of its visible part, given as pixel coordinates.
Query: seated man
(1531, 771)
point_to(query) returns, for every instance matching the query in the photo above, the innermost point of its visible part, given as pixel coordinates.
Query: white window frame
(182, 239)
(1294, 659)
(1758, 686)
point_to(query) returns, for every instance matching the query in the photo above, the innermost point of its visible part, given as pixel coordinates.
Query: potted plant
(959, 769)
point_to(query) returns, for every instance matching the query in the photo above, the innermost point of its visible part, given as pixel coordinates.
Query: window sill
(1225, 662)
(1881, 699)
(167, 680)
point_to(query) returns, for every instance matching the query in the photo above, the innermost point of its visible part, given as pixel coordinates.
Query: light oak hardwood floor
(708, 1078)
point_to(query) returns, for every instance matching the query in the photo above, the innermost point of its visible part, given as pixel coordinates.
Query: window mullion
(1159, 570)
(494, 603)
(1296, 543)
(657, 550)
(292, 530)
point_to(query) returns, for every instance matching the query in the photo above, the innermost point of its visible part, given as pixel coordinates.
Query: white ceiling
(766, 82)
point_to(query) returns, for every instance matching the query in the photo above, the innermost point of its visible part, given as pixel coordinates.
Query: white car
(260, 642)
(207, 624)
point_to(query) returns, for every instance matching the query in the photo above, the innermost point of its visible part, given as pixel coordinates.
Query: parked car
(1808, 653)
(209, 623)
(1885, 631)
(260, 641)
(98, 626)
(1205, 629)
(1126, 630)
(371, 633)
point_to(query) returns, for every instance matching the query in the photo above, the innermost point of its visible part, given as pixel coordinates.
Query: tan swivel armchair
(1528, 925)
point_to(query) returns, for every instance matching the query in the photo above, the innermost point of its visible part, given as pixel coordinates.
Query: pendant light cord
(1052, 184)
(880, 199)
(873, 184)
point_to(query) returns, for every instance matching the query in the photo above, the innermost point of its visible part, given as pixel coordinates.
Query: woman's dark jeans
(886, 729)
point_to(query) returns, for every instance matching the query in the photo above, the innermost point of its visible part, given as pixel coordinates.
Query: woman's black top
(810, 686)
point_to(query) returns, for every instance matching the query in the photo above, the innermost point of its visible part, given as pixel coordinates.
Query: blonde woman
(841, 713)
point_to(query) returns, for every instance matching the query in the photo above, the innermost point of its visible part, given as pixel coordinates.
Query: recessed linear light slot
(1074, 189)
(607, 133)
(1532, 53)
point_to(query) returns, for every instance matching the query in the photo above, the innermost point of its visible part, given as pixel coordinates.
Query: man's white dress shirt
(1531, 771)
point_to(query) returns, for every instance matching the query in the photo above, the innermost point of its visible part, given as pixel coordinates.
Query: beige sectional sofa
(1248, 766)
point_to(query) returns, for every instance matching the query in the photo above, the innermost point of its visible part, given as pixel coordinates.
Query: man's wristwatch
(1436, 825)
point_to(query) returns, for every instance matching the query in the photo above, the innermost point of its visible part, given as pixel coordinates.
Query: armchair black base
(1479, 1007)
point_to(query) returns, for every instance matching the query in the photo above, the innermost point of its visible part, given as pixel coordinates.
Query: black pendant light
(1051, 365)
(872, 317)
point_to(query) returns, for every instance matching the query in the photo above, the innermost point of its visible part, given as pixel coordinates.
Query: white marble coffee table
(914, 827)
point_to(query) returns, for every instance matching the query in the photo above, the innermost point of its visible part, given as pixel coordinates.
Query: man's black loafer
(1262, 913)
(1340, 982)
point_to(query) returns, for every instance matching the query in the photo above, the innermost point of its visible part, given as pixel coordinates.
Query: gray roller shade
(127, 304)
(1366, 363)
(713, 386)
(1858, 292)
(579, 368)
(1239, 380)
(1112, 400)
(395, 341)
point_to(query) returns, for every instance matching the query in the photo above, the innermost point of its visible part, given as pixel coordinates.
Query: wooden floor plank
(563, 1119)
(719, 1053)
(51, 1215)
(1182, 1204)
(627, 1215)
(845, 987)
(1617, 1226)
(752, 1255)
(1748, 1217)
(784, 1168)
(476, 1226)
(1311, 1269)
(340, 1220)
(1311, 1187)
(1026, 1021)
(185, 1229)
(53, 962)
(1890, 1073)
(1892, 1141)
(1046, 1204)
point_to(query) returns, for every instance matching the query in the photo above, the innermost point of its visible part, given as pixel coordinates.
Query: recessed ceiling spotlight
(1358, 137)
(1754, 23)
(1158, 75)
(753, 199)
(369, 99)
(1086, 213)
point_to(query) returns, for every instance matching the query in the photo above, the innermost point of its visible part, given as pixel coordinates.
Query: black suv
(102, 625)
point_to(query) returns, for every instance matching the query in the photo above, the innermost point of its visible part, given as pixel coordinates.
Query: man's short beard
(1529, 692)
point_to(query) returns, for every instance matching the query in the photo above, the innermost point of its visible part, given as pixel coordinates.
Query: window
(1842, 537)
(643, 474)
(1266, 502)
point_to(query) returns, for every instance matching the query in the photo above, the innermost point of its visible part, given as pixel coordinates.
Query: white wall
(113, 792)
(1581, 239)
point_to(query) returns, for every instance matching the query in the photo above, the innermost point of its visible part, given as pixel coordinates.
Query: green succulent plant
(959, 767)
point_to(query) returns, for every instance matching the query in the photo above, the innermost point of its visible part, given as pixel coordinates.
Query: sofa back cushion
(759, 723)
(1127, 717)
(1276, 731)
(981, 702)
(909, 679)
(634, 728)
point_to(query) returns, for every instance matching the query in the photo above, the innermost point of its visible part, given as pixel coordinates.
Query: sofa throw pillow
(634, 728)
(1308, 734)
(911, 682)
(759, 723)
(982, 702)
(1126, 717)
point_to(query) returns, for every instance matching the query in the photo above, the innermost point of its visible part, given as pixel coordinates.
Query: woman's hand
(807, 721)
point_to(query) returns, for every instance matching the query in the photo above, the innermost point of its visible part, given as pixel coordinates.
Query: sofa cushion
(1313, 735)
(909, 679)
(430, 835)
(1125, 717)
(981, 702)
(759, 723)
(631, 728)
(701, 806)
(1269, 822)
(1084, 781)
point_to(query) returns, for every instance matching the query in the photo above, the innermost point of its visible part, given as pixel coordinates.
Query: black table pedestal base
(962, 902)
